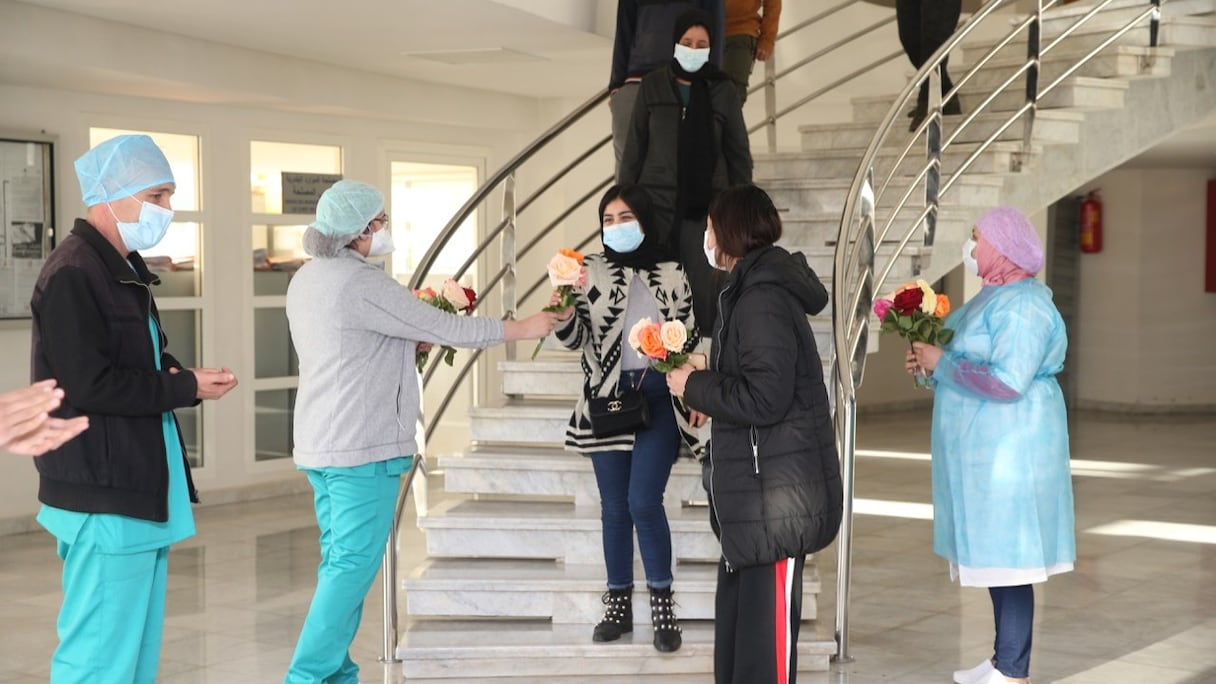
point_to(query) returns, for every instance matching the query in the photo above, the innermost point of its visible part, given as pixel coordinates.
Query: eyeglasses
(383, 219)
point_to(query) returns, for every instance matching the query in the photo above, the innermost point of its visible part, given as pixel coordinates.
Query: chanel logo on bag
(614, 406)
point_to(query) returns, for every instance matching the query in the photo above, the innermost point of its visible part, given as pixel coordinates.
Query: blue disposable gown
(1002, 490)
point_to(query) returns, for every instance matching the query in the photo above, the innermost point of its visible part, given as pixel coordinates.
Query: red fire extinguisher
(1091, 223)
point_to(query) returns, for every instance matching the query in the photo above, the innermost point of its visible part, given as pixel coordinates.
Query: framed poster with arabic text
(27, 217)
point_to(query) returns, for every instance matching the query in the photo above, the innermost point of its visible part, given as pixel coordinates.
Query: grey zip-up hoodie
(356, 331)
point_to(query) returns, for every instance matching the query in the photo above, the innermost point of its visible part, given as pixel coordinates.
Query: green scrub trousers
(354, 509)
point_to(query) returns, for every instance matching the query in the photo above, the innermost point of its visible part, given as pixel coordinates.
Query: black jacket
(90, 332)
(652, 158)
(774, 478)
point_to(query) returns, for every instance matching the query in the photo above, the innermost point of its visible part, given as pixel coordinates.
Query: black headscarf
(652, 250)
(697, 148)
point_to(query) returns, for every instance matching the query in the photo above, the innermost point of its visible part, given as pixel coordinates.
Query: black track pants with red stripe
(756, 617)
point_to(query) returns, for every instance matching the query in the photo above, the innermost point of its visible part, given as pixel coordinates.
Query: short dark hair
(636, 198)
(744, 219)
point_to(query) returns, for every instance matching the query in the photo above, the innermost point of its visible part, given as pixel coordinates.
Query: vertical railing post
(391, 632)
(1154, 23)
(933, 149)
(508, 255)
(1033, 45)
(850, 363)
(770, 101)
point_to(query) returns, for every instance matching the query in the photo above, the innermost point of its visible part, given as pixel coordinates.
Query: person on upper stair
(687, 141)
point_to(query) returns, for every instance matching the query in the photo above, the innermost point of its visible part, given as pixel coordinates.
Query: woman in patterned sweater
(633, 278)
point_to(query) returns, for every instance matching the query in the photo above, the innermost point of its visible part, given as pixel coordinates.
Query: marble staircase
(513, 582)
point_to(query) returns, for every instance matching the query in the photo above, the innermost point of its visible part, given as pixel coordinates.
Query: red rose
(908, 301)
(472, 297)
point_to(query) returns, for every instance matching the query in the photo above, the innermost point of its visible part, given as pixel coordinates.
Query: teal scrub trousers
(112, 616)
(354, 513)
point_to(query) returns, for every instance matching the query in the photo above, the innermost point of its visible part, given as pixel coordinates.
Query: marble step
(547, 530)
(548, 376)
(521, 422)
(1176, 31)
(1080, 93)
(549, 472)
(566, 593)
(1119, 61)
(1052, 127)
(823, 228)
(461, 651)
(835, 162)
(800, 198)
(1117, 14)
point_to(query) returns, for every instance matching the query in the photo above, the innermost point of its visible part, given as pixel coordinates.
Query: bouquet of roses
(452, 298)
(566, 272)
(662, 343)
(918, 314)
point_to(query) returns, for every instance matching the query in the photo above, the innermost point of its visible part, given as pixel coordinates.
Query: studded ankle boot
(663, 617)
(618, 615)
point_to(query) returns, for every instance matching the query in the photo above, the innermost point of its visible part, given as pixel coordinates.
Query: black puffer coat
(773, 474)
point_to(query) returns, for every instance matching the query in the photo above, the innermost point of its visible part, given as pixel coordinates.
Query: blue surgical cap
(121, 167)
(347, 207)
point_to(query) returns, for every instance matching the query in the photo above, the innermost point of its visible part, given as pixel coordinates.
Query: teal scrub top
(113, 533)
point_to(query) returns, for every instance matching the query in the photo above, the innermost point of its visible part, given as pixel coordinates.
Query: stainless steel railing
(506, 234)
(854, 270)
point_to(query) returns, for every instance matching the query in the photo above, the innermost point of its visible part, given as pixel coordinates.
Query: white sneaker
(975, 675)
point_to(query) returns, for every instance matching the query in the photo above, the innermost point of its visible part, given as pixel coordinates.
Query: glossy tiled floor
(1140, 608)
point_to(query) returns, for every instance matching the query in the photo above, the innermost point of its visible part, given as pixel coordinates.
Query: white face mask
(711, 254)
(382, 243)
(691, 59)
(969, 261)
(147, 230)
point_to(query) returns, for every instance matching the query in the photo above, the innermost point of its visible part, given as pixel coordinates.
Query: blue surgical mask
(146, 232)
(969, 261)
(623, 237)
(691, 59)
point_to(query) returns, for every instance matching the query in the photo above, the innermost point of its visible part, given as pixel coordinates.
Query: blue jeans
(631, 488)
(1013, 608)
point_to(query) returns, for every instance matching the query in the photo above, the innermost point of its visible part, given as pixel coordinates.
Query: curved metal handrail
(854, 282)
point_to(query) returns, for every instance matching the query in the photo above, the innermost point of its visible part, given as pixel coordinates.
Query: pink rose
(881, 307)
(454, 293)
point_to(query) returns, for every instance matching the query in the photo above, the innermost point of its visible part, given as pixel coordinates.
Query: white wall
(366, 114)
(1144, 339)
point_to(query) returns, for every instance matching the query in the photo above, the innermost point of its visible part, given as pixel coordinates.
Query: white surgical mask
(148, 230)
(382, 243)
(711, 254)
(969, 261)
(691, 59)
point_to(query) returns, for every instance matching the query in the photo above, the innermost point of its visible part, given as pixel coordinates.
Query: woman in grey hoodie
(356, 331)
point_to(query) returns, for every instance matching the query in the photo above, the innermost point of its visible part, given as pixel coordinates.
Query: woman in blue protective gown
(1002, 492)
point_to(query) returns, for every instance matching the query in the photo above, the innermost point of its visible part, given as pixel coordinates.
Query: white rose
(674, 336)
(454, 293)
(564, 270)
(928, 303)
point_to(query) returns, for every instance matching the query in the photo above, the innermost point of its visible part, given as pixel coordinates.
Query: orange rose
(650, 341)
(573, 254)
(943, 306)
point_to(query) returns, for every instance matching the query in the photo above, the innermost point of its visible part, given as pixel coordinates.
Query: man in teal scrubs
(119, 495)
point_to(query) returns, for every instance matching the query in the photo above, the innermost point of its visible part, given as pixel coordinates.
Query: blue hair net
(347, 207)
(121, 167)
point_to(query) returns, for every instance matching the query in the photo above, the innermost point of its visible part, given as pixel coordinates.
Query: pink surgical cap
(1013, 235)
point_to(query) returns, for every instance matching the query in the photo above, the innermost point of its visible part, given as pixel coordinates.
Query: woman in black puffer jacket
(773, 474)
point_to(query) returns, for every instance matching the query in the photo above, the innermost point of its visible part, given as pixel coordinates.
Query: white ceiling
(541, 48)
